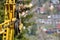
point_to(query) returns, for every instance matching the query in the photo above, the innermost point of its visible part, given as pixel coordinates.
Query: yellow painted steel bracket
(6, 24)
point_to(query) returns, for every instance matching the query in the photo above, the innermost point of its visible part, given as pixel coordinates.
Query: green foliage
(0, 37)
(1, 11)
(21, 36)
(25, 20)
(26, 23)
(33, 30)
(27, 2)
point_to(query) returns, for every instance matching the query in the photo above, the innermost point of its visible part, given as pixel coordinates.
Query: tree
(26, 24)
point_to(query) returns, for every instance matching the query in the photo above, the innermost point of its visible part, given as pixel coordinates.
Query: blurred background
(43, 18)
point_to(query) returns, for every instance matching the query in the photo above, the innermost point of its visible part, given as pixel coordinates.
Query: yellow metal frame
(7, 28)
